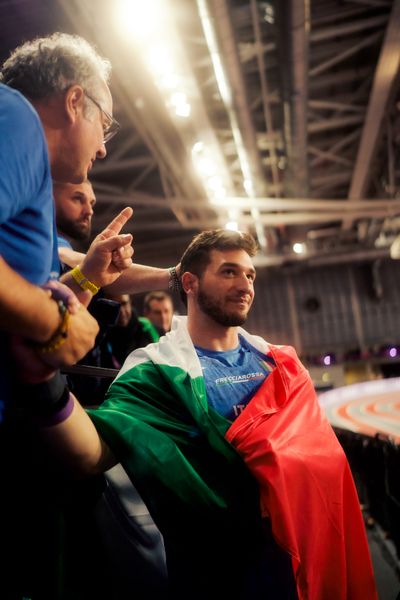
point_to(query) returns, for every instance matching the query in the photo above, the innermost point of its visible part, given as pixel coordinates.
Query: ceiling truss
(304, 126)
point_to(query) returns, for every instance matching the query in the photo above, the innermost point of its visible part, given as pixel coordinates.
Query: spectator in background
(74, 211)
(74, 203)
(129, 332)
(158, 308)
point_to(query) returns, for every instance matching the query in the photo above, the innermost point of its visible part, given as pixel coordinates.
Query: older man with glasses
(49, 127)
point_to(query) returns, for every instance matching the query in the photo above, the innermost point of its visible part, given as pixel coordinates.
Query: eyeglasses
(110, 126)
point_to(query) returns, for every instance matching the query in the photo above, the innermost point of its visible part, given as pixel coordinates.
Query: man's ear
(189, 282)
(74, 101)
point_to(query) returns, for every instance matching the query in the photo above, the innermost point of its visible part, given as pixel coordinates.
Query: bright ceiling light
(232, 226)
(269, 13)
(210, 36)
(205, 166)
(216, 196)
(159, 60)
(248, 186)
(169, 81)
(215, 183)
(181, 106)
(183, 110)
(197, 147)
(178, 98)
(299, 248)
(140, 19)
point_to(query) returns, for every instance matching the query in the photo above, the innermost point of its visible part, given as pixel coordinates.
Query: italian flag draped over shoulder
(196, 471)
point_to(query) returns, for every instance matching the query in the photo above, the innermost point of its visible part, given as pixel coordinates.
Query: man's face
(82, 141)
(125, 311)
(225, 291)
(74, 209)
(160, 313)
(97, 121)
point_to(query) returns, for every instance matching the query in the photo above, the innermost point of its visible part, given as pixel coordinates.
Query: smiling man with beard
(222, 434)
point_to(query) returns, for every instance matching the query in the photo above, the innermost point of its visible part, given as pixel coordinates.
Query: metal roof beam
(139, 198)
(342, 56)
(293, 21)
(239, 99)
(372, 3)
(338, 146)
(386, 74)
(265, 93)
(267, 219)
(329, 156)
(334, 123)
(347, 28)
(335, 16)
(330, 105)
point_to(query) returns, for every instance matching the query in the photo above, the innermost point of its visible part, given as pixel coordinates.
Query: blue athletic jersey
(27, 225)
(233, 377)
(63, 243)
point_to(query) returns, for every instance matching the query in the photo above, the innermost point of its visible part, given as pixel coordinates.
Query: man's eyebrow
(229, 264)
(80, 195)
(234, 264)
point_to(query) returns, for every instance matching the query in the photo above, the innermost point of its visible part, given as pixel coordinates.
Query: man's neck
(208, 334)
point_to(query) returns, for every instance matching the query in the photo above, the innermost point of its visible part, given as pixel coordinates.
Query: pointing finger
(117, 224)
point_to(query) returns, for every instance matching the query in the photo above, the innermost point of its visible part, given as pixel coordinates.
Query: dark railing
(375, 464)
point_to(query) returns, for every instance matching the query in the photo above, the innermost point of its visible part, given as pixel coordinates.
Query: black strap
(43, 399)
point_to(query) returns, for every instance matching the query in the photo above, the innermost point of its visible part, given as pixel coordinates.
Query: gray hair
(50, 65)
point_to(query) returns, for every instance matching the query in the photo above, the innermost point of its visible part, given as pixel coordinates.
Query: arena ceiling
(279, 117)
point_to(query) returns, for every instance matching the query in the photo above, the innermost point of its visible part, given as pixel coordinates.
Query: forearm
(25, 309)
(76, 442)
(70, 257)
(140, 278)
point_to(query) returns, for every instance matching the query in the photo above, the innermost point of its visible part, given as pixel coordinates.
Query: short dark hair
(158, 295)
(197, 255)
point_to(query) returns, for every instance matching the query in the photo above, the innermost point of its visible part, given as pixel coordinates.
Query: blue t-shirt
(27, 224)
(63, 243)
(233, 377)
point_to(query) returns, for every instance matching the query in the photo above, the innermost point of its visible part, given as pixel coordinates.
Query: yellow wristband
(83, 282)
